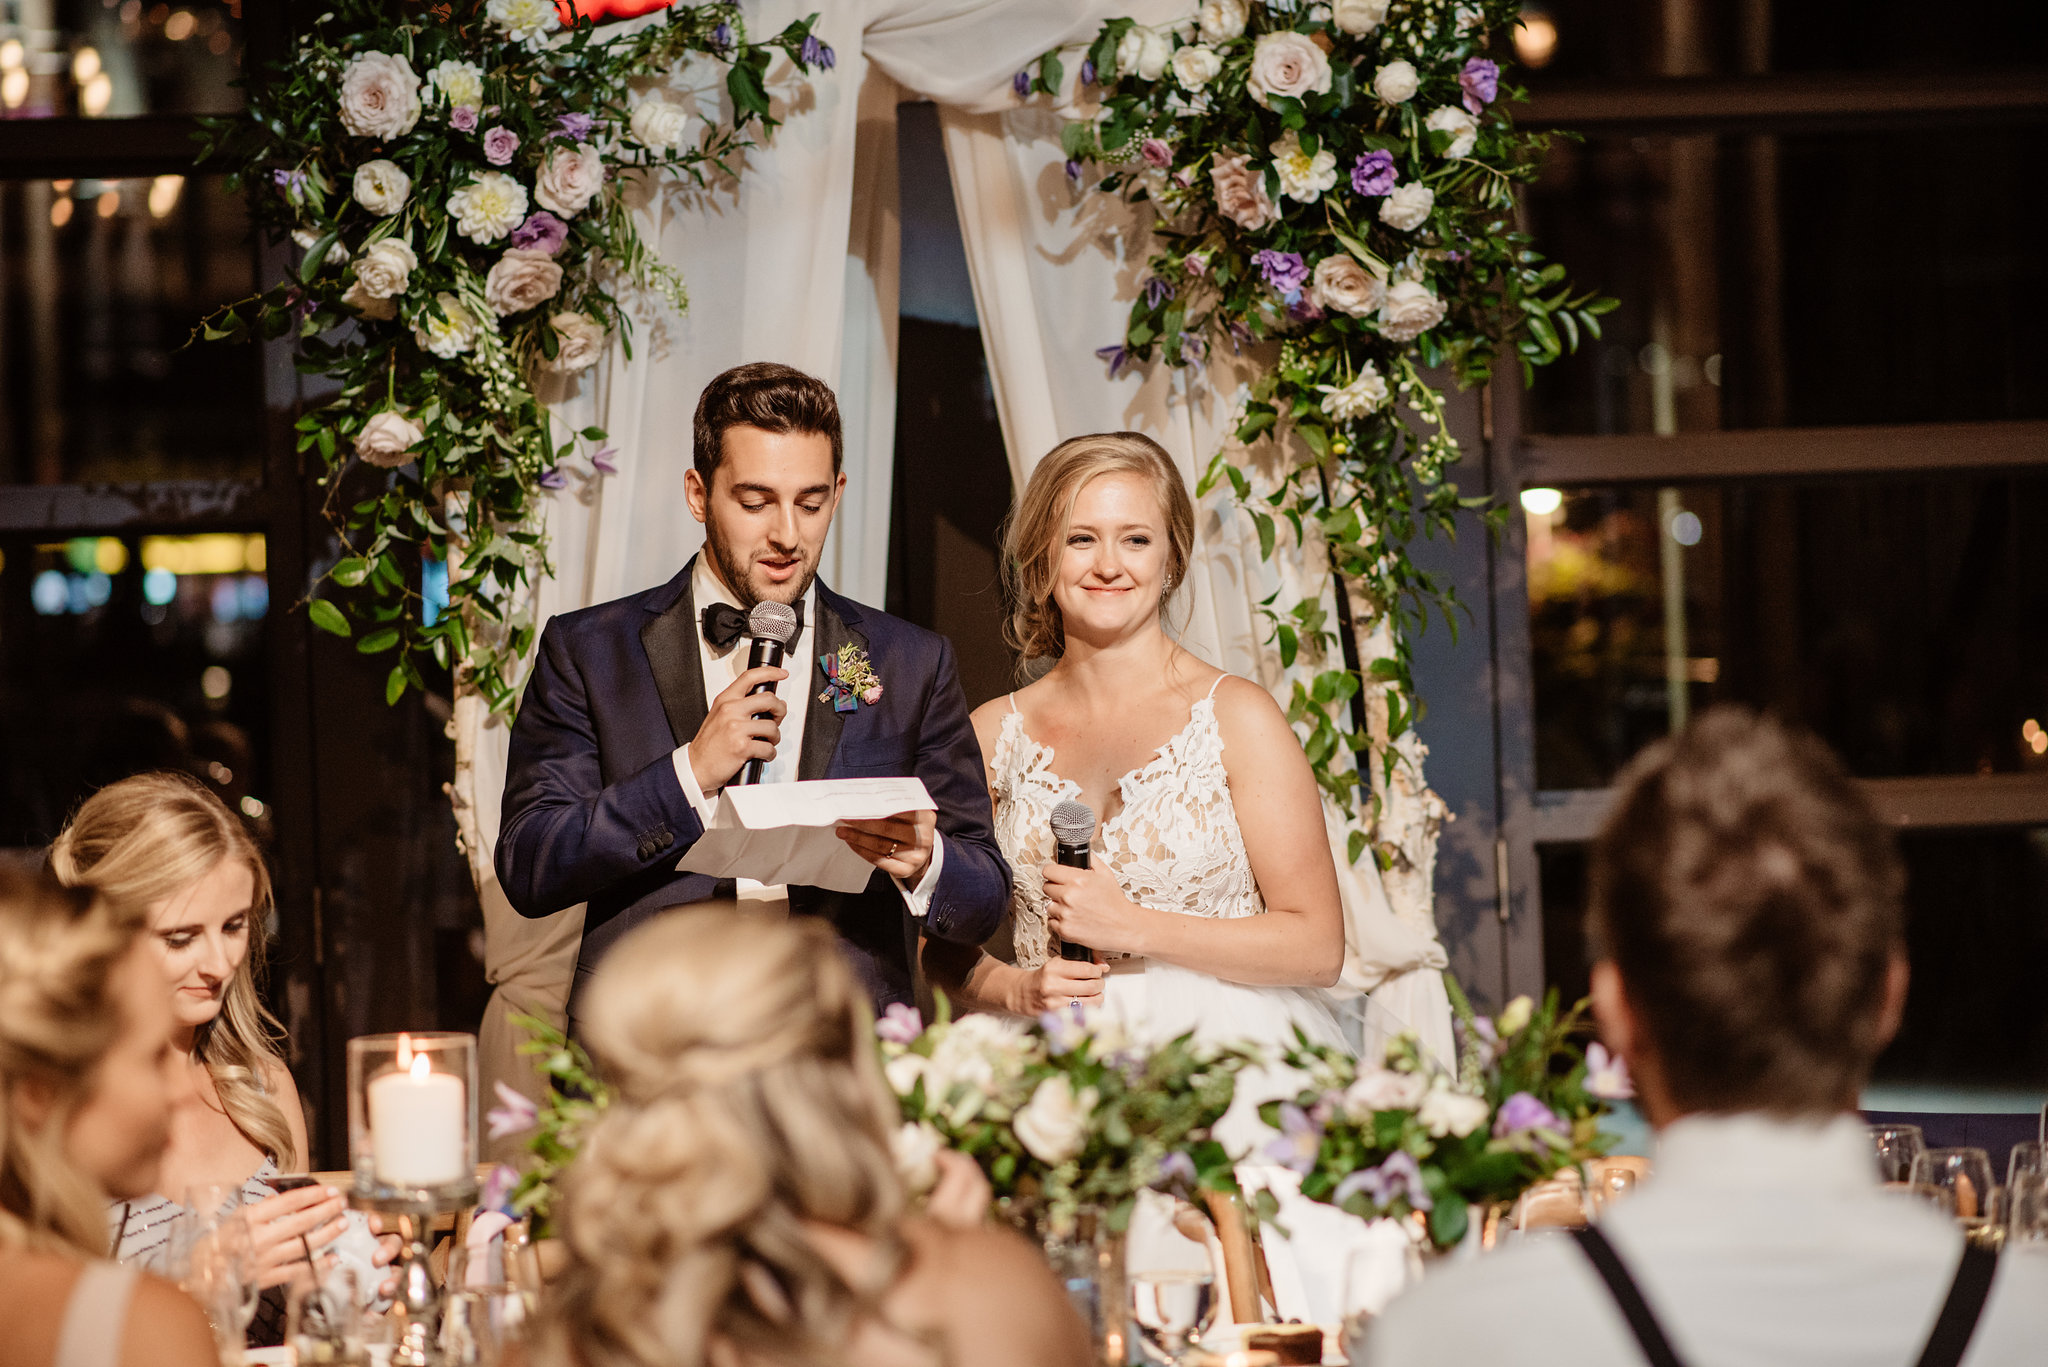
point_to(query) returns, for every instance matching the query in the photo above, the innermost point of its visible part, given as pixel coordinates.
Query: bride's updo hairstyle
(748, 1104)
(1037, 529)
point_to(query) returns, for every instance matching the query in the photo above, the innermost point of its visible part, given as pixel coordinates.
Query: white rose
(1303, 177)
(460, 83)
(1468, 18)
(1194, 66)
(1053, 1126)
(1223, 20)
(904, 1070)
(450, 335)
(1287, 63)
(337, 254)
(915, 1150)
(569, 179)
(381, 187)
(658, 123)
(369, 305)
(1155, 53)
(1411, 310)
(1358, 17)
(488, 207)
(579, 341)
(1446, 1112)
(1408, 207)
(1365, 394)
(525, 21)
(1463, 128)
(387, 440)
(1382, 1089)
(1341, 285)
(1515, 1016)
(380, 96)
(1396, 82)
(520, 279)
(385, 268)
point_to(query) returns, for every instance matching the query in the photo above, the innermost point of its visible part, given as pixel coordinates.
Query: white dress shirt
(1757, 1243)
(720, 668)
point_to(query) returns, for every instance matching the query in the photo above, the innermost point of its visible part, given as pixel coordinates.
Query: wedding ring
(895, 845)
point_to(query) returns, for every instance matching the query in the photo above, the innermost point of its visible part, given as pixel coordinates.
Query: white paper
(783, 832)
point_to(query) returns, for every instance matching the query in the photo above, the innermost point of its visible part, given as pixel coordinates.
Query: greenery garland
(457, 177)
(1337, 181)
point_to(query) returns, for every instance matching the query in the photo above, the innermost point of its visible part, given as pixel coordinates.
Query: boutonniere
(849, 679)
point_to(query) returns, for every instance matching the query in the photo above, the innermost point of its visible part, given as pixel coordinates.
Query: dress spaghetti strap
(1214, 686)
(1013, 701)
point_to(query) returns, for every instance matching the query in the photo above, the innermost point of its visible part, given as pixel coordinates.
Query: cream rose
(1463, 128)
(1241, 192)
(1223, 20)
(1365, 394)
(1053, 1126)
(1341, 285)
(525, 21)
(449, 335)
(915, 1151)
(367, 304)
(380, 96)
(570, 179)
(1411, 310)
(385, 268)
(521, 279)
(1144, 52)
(1445, 1112)
(1396, 83)
(579, 341)
(1358, 17)
(1194, 66)
(658, 123)
(460, 83)
(903, 1071)
(1288, 64)
(1407, 208)
(1303, 177)
(387, 439)
(488, 207)
(1382, 1089)
(381, 187)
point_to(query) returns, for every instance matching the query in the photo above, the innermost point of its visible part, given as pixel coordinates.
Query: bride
(1212, 902)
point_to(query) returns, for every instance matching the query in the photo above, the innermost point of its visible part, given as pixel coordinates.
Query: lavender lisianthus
(1299, 1142)
(1240, 336)
(1524, 1112)
(1157, 292)
(541, 232)
(1374, 173)
(497, 1189)
(1398, 1177)
(574, 127)
(1194, 352)
(1074, 171)
(553, 478)
(1480, 80)
(601, 461)
(1065, 1030)
(1117, 356)
(1286, 272)
(1607, 1074)
(462, 118)
(499, 145)
(817, 54)
(899, 1024)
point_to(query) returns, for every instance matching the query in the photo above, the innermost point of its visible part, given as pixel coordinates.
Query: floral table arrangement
(457, 176)
(1399, 1139)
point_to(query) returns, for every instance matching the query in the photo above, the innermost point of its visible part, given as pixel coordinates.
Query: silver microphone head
(1073, 823)
(773, 622)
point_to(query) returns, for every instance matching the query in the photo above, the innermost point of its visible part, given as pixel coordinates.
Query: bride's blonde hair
(59, 948)
(147, 838)
(749, 1104)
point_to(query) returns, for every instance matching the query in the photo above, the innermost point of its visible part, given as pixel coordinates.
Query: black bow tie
(724, 624)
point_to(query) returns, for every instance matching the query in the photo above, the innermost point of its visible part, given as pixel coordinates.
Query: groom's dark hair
(772, 397)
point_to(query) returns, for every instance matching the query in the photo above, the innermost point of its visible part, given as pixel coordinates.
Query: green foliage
(576, 1098)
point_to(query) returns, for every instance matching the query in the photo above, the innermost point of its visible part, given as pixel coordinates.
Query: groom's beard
(738, 577)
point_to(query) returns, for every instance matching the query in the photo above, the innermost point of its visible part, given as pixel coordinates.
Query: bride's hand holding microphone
(1088, 907)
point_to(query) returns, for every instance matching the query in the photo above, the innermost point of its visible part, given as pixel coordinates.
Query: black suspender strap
(1626, 1295)
(1960, 1312)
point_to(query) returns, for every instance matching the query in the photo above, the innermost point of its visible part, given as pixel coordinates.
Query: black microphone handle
(1073, 857)
(762, 652)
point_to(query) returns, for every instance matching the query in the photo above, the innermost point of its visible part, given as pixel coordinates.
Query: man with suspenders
(1750, 965)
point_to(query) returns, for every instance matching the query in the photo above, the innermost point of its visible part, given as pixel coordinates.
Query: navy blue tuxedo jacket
(594, 812)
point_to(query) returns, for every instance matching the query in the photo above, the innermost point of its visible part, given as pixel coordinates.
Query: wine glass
(2029, 1157)
(1172, 1307)
(479, 1323)
(324, 1319)
(2026, 1228)
(1896, 1146)
(213, 1257)
(1958, 1180)
(1371, 1281)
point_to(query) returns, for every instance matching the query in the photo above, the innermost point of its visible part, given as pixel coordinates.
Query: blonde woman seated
(737, 1206)
(1212, 902)
(165, 845)
(85, 1026)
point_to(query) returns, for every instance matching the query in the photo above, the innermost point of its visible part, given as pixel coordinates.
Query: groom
(640, 710)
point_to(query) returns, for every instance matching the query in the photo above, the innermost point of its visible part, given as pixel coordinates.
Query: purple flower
(1399, 1176)
(1065, 1030)
(1021, 83)
(1286, 272)
(1156, 153)
(1073, 170)
(1194, 352)
(601, 459)
(497, 1192)
(1524, 1112)
(817, 54)
(721, 37)
(462, 118)
(499, 145)
(900, 1024)
(1374, 174)
(1303, 310)
(514, 1113)
(542, 232)
(1157, 292)
(1176, 1170)
(1196, 263)
(1118, 358)
(574, 127)
(1607, 1074)
(1240, 336)
(553, 478)
(1087, 71)
(290, 182)
(1299, 1142)
(1481, 82)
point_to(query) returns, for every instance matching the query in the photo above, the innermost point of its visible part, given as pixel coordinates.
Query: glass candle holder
(412, 1117)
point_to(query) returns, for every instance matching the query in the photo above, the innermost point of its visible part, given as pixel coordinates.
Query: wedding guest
(1751, 965)
(737, 1204)
(164, 844)
(85, 1025)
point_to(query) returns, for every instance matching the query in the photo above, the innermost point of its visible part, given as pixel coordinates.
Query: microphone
(1073, 826)
(773, 627)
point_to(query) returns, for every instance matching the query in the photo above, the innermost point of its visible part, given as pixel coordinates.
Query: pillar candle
(419, 1126)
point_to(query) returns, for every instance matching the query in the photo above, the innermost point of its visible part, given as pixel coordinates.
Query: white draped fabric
(797, 262)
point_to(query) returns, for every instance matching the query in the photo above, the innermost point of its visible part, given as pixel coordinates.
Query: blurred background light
(1541, 502)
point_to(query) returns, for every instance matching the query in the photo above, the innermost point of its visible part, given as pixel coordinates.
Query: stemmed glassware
(1173, 1307)
(2027, 1214)
(1959, 1181)
(479, 1323)
(2029, 1158)
(212, 1256)
(1896, 1146)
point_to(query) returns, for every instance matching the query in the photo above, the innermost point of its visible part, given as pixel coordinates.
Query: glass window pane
(1800, 281)
(120, 654)
(101, 283)
(1902, 619)
(119, 58)
(1591, 40)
